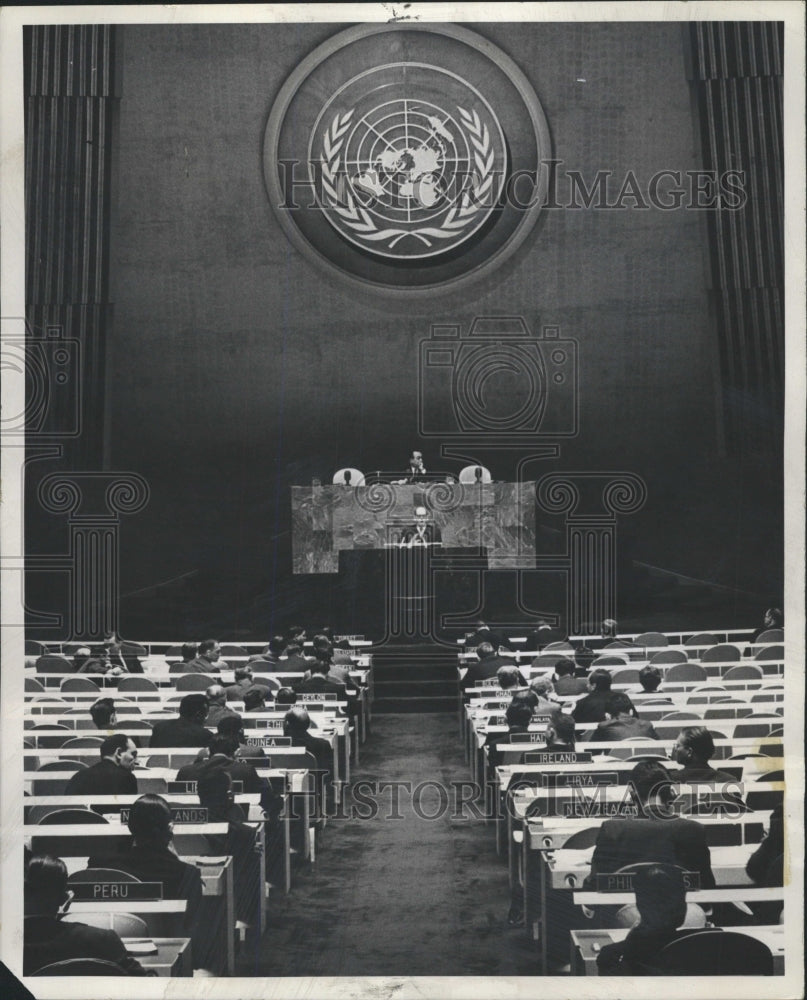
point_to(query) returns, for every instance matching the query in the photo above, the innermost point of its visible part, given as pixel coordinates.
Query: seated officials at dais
(47, 938)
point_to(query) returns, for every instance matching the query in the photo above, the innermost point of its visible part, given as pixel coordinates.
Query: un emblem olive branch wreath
(358, 219)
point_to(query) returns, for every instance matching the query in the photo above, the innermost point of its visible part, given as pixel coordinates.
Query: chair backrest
(232, 649)
(62, 765)
(685, 672)
(100, 875)
(136, 684)
(549, 660)
(474, 474)
(582, 839)
(32, 686)
(667, 656)
(701, 639)
(194, 682)
(59, 816)
(134, 724)
(682, 716)
(560, 647)
(83, 741)
(34, 648)
(53, 663)
(770, 635)
(610, 661)
(727, 709)
(79, 684)
(743, 672)
(80, 967)
(348, 477)
(723, 652)
(771, 776)
(629, 675)
(755, 726)
(716, 953)
(129, 648)
(652, 640)
(158, 760)
(770, 653)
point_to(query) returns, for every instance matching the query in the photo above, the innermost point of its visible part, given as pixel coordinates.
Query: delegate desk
(217, 877)
(587, 944)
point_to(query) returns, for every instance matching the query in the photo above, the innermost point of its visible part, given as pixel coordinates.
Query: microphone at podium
(422, 534)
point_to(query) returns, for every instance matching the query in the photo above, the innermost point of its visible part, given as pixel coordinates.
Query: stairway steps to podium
(414, 678)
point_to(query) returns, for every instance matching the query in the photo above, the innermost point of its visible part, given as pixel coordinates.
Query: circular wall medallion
(407, 157)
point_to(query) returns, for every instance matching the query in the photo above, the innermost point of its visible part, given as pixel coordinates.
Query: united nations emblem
(410, 176)
(391, 153)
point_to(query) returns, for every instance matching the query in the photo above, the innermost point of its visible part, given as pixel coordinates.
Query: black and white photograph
(402, 513)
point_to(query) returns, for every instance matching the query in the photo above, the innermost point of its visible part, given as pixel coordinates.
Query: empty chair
(194, 682)
(666, 657)
(770, 653)
(755, 726)
(727, 708)
(685, 672)
(129, 648)
(582, 839)
(681, 717)
(128, 724)
(125, 925)
(561, 647)
(158, 760)
(232, 649)
(75, 684)
(610, 660)
(100, 875)
(723, 652)
(770, 635)
(136, 683)
(630, 675)
(743, 672)
(652, 640)
(702, 640)
(49, 735)
(34, 648)
(83, 741)
(61, 765)
(548, 660)
(80, 967)
(71, 815)
(48, 706)
(33, 686)
(53, 663)
(771, 776)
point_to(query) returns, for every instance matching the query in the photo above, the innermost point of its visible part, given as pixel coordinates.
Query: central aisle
(398, 897)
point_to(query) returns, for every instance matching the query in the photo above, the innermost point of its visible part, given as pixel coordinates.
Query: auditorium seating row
(546, 811)
(60, 738)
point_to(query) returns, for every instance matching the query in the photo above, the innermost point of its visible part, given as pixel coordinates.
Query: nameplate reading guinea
(179, 814)
(623, 881)
(579, 779)
(268, 741)
(84, 892)
(557, 757)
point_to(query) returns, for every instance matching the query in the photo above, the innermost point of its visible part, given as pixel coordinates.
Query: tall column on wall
(737, 77)
(69, 105)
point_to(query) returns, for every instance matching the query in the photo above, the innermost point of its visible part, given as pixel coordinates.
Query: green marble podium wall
(498, 518)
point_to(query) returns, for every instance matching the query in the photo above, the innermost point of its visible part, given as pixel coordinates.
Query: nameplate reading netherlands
(179, 814)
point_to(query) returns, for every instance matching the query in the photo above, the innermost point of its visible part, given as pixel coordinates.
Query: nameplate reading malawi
(623, 881)
(557, 757)
(89, 891)
(179, 814)
(268, 741)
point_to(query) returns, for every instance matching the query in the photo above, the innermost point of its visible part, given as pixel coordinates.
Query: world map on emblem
(407, 161)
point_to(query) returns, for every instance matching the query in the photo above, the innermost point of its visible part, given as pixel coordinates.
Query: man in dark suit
(484, 633)
(592, 708)
(208, 661)
(269, 662)
(560, 732)
(565, 681)
(319, 683)
(621, 721)
(487, 666)
(295, 662)
(517, 716)
(243, 682)
(112, 775)
(543, 635)
(222, 757)
(186, 731)
(122, 654)
(150, 859)
(656, 835)
(693, 750)
(296, 724)
(47, 938)
(217, 705)
(422, 533)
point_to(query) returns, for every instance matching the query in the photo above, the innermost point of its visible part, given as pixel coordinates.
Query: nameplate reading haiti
(407, 157)
(537, 737)
(557, 757)
(179, 814)
(269, 741)
(88, 891)
(577, 779)
(623, 881)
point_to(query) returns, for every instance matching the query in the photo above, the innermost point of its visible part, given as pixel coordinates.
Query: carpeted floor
(399, 896)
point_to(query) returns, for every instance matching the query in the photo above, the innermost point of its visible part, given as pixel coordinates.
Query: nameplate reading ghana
(579, 779)
(269, 741)
(84, 892)
(179, 814)
(557, 757)
(623, 881)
